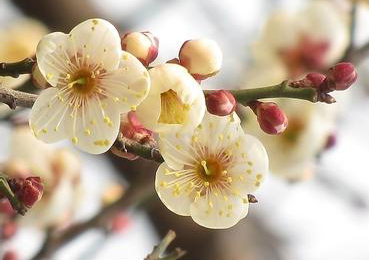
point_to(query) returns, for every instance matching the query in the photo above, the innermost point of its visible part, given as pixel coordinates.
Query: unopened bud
(271, 118)
(10, 255)
(343, 75)
(8, 229)
(202, 58)
(28, 191)
(220, 103)
(143, 45)
(314, 80)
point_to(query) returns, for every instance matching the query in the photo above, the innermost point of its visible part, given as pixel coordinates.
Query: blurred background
(320, 210)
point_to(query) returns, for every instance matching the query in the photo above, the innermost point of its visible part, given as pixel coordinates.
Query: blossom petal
(216, 132)
(53, 57)
(47, 115)
(94, 126)
(176, 198)
(176, 150)
(129, 84)
(251, 165)
(215, 212)
(98, 41)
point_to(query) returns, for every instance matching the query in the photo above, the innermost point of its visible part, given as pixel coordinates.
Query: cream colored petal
(94, 126)
(217, 132)
(177, 150)
(171, 77)
(128, 85)
(47, 116)
(216, 212)
(97, 41)
(251, 165)
(176, 198)
(53, 55)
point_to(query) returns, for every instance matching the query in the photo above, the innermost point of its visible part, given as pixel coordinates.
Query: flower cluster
(101, 85)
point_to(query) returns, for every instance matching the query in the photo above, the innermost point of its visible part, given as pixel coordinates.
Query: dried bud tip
(202, 58)
(143, 45)
(220, 102)
(174, 61)
(271, 118)
(343, 75)
(251, 198)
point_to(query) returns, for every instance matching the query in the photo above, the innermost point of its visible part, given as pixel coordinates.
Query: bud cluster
(339, 77)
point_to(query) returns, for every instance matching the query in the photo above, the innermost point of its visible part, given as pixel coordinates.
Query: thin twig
(162, 246)
(16, 68)
(352, 27)
(14, 98)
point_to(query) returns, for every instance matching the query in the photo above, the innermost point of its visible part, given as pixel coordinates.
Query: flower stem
(7, 192)
(282, 90)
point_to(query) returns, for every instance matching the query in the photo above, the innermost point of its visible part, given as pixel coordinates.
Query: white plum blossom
(209, 172)
(93, 81)
(175, 101)
(310, 39)
(59, 171)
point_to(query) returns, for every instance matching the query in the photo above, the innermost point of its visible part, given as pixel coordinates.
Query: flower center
(83, 82)
(293, 131)
(209, 170)
(172, 110)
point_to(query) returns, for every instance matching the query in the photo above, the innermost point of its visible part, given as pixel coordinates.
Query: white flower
(175, 101)
(293, 153)
(59, 171)
(208, 173)
(93, 82)
(315, 36)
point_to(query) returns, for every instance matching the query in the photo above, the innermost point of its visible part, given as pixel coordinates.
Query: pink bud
(143, 45)
(119, 222)
(8, 229)
(220, 102)
(314, 80)
(10, 255)
(6, 208)
(202, 58)
(271, 118)
(343, 75)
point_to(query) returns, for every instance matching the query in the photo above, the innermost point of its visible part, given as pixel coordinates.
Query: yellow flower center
(293, 131)
(172, 110)
(83, 82)
(209, 170)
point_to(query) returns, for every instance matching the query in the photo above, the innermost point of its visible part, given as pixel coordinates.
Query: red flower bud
(220, 103)
(119, 222)
(343, 75)
(143, 45)
(271, 118)
(202, 58)
(314, 80)
(28, 190)
(10, 255)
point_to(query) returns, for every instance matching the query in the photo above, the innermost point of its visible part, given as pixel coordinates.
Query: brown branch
(14, 98)
(16, 68)
(134, 195)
